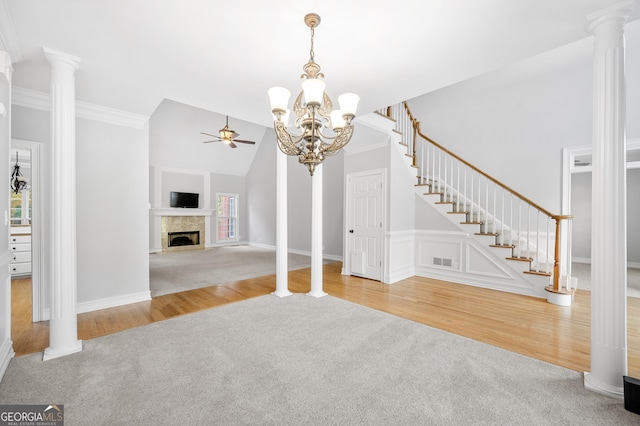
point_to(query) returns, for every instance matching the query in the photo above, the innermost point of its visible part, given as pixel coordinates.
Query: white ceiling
(223, 56)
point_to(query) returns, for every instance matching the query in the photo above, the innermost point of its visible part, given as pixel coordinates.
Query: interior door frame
(346, 263)
(37, 226)
(568, 168)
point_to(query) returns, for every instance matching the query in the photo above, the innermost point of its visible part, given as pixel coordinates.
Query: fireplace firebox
(188, 238)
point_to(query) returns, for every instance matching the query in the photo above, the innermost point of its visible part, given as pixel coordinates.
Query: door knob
(351, 231)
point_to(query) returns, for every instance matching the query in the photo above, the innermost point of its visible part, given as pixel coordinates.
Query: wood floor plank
(522, 324)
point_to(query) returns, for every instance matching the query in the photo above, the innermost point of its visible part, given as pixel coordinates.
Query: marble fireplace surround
(167, 220)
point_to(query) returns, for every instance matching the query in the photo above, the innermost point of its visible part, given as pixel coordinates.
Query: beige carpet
(182, 271)
(299, 360)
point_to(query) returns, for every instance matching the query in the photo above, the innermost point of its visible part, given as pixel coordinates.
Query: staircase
(527, 237)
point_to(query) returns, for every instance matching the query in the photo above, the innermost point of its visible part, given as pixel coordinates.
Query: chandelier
(17, 182)
(313, 112)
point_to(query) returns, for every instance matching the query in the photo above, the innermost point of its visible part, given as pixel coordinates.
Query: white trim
(6, 353)
(42, 101)
(8, 36)
(111, 302)
(295, 251)
(400, 263)
(587, 261)
(384, 249)
(176, 211)
(591, 383)
(236, 217)
(37, 225)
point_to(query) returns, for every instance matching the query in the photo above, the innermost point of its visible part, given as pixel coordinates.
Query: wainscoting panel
(6, 345)
(400, 249)
(458, 257)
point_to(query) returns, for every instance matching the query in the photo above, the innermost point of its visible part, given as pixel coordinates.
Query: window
(227, 217)
(21, 207)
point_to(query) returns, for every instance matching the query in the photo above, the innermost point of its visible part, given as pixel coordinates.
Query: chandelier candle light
(312, 145)
(17, 182)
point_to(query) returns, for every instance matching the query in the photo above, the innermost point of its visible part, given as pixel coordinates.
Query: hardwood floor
(530, 326)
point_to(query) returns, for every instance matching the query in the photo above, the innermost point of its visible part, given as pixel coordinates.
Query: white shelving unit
(20, 244)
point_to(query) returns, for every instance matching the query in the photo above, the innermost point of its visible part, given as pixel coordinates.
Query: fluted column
(316, 233)
(63, 327)
(282, 243)
(609, 229)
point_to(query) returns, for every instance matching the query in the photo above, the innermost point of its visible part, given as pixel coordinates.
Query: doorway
(365, 212)
(576, 200)
(31, 162)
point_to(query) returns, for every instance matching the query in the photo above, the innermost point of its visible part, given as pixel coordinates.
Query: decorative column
(282, 243)
(608, 239)
(316, 233)
(63, 327)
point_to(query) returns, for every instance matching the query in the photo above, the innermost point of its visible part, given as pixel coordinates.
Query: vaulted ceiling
(223, 56)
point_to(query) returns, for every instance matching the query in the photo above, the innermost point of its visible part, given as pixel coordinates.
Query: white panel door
(365, 225)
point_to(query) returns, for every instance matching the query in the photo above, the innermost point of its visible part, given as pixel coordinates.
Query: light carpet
(303, 361)
(582, 271)
(181, 271)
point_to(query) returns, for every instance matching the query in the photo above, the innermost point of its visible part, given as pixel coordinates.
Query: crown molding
(8, 36)
(42, 101)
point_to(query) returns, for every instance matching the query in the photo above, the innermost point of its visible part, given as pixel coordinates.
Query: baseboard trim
(112, 302)
(6, 353)
(325, 256)
(587, 261)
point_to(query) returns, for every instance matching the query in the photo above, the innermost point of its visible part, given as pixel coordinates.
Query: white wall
(6, 350)
(112, 193)
(112, 207)
(513, 122)
(261, 194)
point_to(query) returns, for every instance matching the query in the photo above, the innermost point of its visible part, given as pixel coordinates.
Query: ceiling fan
(227, 136)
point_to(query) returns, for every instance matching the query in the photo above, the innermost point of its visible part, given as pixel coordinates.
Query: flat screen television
(187, 200)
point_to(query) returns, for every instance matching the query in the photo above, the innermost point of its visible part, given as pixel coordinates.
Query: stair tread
(521, 259)
(457, 213)
(492, 234)
(546, 274)
(423, 184)
(432, 193)
(444, 202)
(470, 223)
(503, 246)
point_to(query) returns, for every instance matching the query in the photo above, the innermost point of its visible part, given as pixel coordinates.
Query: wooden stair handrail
(497, 182)
(557, 217)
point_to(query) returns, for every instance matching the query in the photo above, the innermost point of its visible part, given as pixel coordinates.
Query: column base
(560, 298)
(317, 294)
(596, 385)
(282, 293)
(53, 353)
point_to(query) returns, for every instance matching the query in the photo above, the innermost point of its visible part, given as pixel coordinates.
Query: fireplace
(182, 233)
(187, 238)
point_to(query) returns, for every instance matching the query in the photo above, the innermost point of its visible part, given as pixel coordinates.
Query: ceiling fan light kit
(312, 114)
(227, 135)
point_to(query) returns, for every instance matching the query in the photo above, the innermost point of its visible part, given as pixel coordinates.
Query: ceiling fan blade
(212, 141)
(209, 134)
(241, 141)
(232, 145)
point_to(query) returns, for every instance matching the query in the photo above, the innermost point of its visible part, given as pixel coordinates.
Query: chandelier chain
(311, 52)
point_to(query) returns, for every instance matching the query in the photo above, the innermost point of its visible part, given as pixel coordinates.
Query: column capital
(620, 11)
(54, 56)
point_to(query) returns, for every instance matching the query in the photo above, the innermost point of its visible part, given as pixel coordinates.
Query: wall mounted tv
(187, 200)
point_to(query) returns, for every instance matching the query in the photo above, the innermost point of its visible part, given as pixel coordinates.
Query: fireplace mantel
(175, 211)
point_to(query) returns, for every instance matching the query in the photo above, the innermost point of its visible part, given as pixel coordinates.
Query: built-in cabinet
(20, 245)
